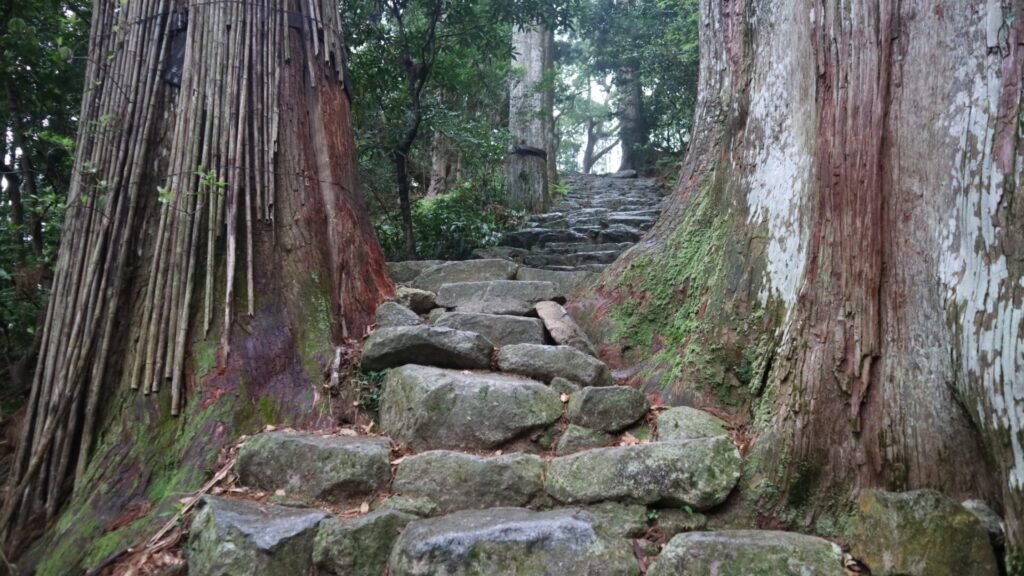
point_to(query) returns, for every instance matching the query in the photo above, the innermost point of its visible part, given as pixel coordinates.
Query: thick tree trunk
(841, 264)
(632, 129)
(529, 121)
(216, 159)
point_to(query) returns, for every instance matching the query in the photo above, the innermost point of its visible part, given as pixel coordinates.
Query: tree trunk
(841, 265)
(529, 121)
(632, 129)
(444, 162)
(401, 161)
(215, 160)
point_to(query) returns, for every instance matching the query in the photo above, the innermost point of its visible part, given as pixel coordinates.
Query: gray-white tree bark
(842, 263)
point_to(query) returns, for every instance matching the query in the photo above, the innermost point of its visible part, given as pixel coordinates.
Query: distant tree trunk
(444, 162)
(529, 123)
(548, 111)
(632, 128)
(841, 265)
(215, 252)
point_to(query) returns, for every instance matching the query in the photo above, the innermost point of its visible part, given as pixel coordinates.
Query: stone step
(500, 330)
(745, 552)
(433, 345)
(501, 541)
(425, 408)
(454, 481)
(698, 473)
(537, 259)
(548, 362)
(511, 297)
(570, 247)
(566, 281)
(464, 271)
(328, 468)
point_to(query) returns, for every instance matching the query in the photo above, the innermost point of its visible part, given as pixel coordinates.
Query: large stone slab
(465, 271)
(438, 346)
(459, 481)
(504, 541)
(501, 330)
(748, 553)
(547, 362)
(403, 272)
(563, 328)
(330, 468)
(497, 297)
(566, 282)
(911, 534)
(425, 407)
(609, 408)
(232, 537)
(697, 473)
(357, 546)
(684, 423)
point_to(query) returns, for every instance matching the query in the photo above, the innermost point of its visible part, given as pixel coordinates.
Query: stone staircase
(507, 447)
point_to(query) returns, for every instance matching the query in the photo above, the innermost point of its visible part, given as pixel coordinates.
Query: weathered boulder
(231, 537)
(502, 541)
(565, 281)
(672, 521)
(684, 423)
(415, 505)
(496, 297)
(748, 553)
(911, 534)
(547, 362)
(330, 468)
(699, 473)
(406, 271)
(394, 314)
(357, 546)
(563, 328)
(991, 521)
(438, 346)
(425, 407)
(576, 438)
(459, 481)
(465, 271)
(501, 330)
(419, 301)
(609, 408)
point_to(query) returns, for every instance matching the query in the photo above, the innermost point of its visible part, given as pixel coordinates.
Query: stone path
(507, 447)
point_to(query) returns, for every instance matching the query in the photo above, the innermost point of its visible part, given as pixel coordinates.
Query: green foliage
(659, 40)
(370, 387)
(451, 226)
(43, 46)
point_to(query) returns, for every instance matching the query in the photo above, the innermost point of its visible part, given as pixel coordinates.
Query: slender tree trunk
(529, 123)
(215, 253)
(632, 129)
(401, 162)
(841, 264)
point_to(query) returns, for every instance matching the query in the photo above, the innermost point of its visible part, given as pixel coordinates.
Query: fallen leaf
(269, 428)
(347, 432)
(364, 508)
(279, 492)
(564, 398)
